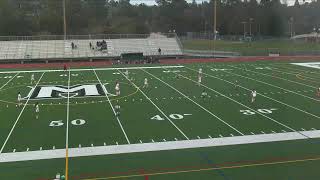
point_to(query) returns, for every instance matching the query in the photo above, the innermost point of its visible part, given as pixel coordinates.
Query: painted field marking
(156, 106)
(294, 72)
(286, 126)
(114, 112)
(318, 100)
(195, 103)
(276, 77)
(67, 131)
(159, 146)
(97, 69)
(18, 118)
(8, 81)
(294, 69)
(264, 96)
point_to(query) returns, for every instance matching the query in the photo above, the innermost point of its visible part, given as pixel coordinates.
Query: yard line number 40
(171, 116)
(263, 111)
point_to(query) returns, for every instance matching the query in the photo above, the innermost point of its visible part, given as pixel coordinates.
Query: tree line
(267, 17)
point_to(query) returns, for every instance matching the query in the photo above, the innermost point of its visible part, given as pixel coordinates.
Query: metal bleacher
(55, 47)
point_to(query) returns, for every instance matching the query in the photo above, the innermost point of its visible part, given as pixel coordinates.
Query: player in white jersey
(126, 73)
(199, 80)
(200, 72)
(117, 109)
(32, 78)
(204, 94)
(19, 99)
(145, 84)
(117, 88)
(253, 95)
(236, 85)
(37, 110)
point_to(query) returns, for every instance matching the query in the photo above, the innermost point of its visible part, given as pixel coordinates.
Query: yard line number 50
(76, 122)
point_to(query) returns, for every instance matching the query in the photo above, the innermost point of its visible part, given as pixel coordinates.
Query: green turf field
(255, 48)
(166, 130)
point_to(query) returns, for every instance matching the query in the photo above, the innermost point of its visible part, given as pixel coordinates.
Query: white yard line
(290, 68)
(85, 69)
(18, 118)
(261, 95)
(291, 73)
(318, 100)
(68, 112)
(257, 112)
(156, 106)
(155, 146)
(309, 64)
(9, 81)
(313, 87)
(114, 112)
(196, 104)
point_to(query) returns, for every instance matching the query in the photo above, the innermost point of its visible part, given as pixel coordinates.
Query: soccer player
(253, 95)
(199, 80)
(126, 73)
(318, 92)
(117, 109)
(117, 88)
(65, 67)
(19, 99)
(236, 85)
(200, 72)
(204, 94)
(146, 84)
(32, 78)
(37, 110)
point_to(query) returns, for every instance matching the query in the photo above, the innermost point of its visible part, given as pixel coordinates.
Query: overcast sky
(153, 2)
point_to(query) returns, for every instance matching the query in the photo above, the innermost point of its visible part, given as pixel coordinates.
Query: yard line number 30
(263, 111)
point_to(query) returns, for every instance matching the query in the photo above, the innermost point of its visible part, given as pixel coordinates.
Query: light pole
(244, 29)
(250, 21)
(291, 27)
(64, 20)
(214, 25)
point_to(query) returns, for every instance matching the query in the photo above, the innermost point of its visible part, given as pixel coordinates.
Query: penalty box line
(155, 106)
(18, 118)
(97, 69)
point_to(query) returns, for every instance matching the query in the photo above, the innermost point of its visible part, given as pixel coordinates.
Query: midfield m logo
(57, 92)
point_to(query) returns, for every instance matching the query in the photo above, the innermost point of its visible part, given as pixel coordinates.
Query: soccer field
(166, 130)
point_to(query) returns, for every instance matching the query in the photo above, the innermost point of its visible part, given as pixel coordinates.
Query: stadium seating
(57, 49)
